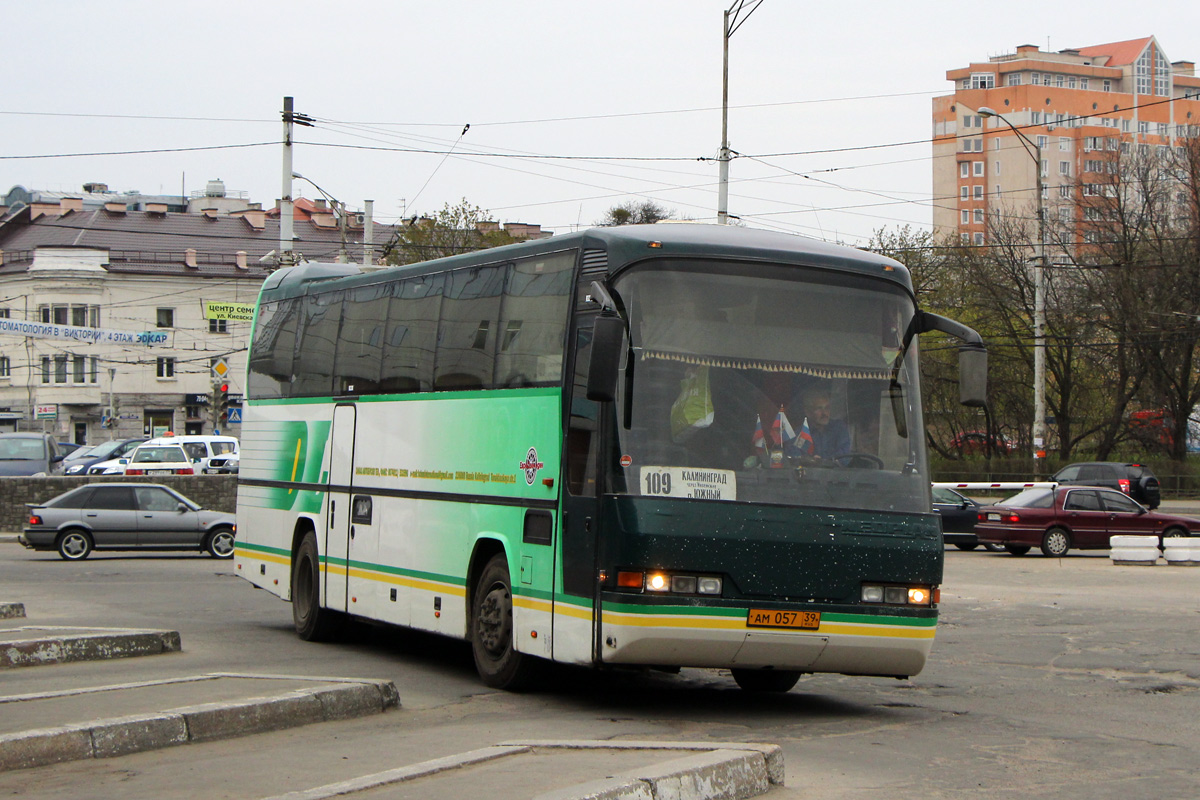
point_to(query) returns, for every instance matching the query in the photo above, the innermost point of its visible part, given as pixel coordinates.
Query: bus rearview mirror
(607, 338)
(972, 376)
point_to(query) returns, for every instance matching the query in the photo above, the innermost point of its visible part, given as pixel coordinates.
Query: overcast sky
(625, 95)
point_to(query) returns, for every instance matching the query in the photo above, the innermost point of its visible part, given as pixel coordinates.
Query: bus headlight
(668, 583)
(899, 595)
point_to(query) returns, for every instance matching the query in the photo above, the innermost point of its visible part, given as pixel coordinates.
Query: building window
(165, 366)
(964, 169)
(965, 238)
(79, 316)
(1013, 79)
(964, 192)
(166, 318)
(978, 192)
(997, 191)
(1058, 81)
(1143, 127)
(965, 217)
(978, 216)
(1064, 144)
(217, 326)
(1036, 79)
(995, 167)
(1045, 168)
(79, 369)
(1035, 117)
(60, 369)
(1141, 73)
(45, 369)
(1162, 75)
(1043, 142)
(1064, 191)
(979, 237)
(1162, 129)
(5, 367)
(978, 169)
(1064, 168)
(1083, 83)
(4, 313)
(1107, 85)
(983, 80)
(1071, 82)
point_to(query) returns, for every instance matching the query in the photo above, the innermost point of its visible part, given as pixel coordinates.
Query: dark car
(78, 465)
(1136, 480)
(28, 454)
(126, 516)
(1081, 517)
(959, 514)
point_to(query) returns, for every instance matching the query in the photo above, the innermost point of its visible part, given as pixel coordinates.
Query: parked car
(126, 516)
(150, 458)
(201, 448)
(223, 465)
(67, 448)
(80, 464)
(959, 514)
(29, 454)
(1081, 517)
(1136, 480)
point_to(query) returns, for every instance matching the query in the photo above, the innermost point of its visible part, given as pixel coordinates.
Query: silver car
(126, 516)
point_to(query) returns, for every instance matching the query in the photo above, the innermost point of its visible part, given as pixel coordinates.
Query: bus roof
(624, 245)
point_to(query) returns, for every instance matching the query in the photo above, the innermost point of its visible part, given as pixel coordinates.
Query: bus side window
(583, 438)
(466, 342)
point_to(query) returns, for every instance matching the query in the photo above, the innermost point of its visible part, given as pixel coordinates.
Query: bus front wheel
(765, 680)
(497, 660)
(313, 623)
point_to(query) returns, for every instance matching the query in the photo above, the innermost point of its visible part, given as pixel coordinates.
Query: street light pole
(1039, 290)
(339, 210)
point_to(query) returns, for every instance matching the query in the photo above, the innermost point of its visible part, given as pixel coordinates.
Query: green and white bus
(591, 449)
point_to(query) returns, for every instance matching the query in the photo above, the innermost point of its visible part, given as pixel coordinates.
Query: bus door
(574, 631)
(338, 507)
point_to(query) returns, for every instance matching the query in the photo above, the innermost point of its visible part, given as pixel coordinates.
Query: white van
(201, 449)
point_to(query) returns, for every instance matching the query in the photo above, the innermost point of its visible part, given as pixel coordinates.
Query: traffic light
(223, 402)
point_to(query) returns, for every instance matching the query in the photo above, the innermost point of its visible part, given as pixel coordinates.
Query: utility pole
(732, 23)
(286, 215)
(368, 233)
(287, 258)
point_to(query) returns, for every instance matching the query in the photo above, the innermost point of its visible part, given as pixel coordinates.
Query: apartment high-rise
(1080, 107)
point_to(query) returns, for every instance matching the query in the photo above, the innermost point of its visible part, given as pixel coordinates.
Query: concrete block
(37, 748)
(352, 700)
(12, 610)
(226, 720)
(1134, 550)
(1182, 551)
(719, 775)
(133, 734)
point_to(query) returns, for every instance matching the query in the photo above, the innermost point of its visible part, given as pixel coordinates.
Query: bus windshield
(759, 383)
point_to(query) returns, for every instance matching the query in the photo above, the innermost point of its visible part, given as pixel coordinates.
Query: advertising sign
(243, 312)
(49, 411)
(72, 333)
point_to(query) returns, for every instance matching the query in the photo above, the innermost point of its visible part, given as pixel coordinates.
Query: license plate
(763, 618)
(993, 517)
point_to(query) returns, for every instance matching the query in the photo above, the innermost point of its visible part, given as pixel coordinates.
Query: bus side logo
(531, 465)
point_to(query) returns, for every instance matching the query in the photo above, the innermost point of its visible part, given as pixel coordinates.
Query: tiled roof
(1119, 53)
(141, 241)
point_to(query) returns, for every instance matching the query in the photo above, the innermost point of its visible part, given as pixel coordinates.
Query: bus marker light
(895, 594)
(630, 580)
(872, 594)
(654, 244)
(683, 584)
(533, 634)
(918, 596)
(657, 582)
(937, 596)
(709, 586)
(548, 482)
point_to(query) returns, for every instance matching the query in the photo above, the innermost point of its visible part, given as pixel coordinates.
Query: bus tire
(313, 623)
(496, 658)
(1055, 543)
(765, 680)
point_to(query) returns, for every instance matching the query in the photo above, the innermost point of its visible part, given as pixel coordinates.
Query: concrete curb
(12, 610)
(718, 771)
(91, 646)
(133, 734)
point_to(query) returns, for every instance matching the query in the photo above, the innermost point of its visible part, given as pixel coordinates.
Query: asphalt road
(1068, 678)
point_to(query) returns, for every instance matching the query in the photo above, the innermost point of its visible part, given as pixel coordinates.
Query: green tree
(460, 228)
(636, 212)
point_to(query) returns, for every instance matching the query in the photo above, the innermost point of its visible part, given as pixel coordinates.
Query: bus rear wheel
(313, 623)
(765, 680)
(496, 658)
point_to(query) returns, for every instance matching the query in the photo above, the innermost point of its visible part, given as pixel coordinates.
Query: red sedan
(1082, 517)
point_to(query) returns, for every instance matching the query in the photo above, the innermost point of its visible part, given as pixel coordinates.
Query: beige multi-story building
(1076, 108)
